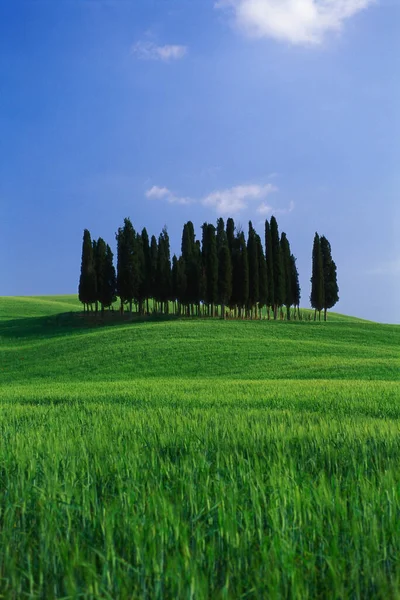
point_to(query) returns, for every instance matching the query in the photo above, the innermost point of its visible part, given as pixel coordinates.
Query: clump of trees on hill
(223, 273)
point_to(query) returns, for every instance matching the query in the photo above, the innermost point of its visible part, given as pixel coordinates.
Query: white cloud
(150, 51)
(264, 209)
(157, 192)
(294, 21)
(228, 201)
(235, 199)
(163, 193)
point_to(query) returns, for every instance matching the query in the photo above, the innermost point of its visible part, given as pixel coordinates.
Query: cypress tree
(317, 280)
(278, 273)
(199, 277)
(153, 268)
(243, 273)
(331, 289)
(147, 267)
(221, 234)
(126, 239)
(253, 268)
(174, 281)
(181, 283)
(140, 273)
(262, 275)
(270, 268)
(97, 269)
(287, 273)
(295, 284)
(164, 270)
(224, 273)
(110, 280)
(230, 235)
(87, 283)
(210, 265)
(99, 252)
(191, 254)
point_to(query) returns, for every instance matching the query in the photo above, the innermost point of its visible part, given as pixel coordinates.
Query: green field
(198, 458)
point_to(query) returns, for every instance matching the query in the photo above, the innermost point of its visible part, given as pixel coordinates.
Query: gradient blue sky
(169, 110)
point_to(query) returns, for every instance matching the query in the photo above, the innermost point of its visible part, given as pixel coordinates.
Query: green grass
(197, 459)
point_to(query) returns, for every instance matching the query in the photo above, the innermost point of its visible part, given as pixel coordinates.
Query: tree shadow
(73, 322)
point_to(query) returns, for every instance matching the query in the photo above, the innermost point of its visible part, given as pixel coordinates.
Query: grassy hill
(197, 458)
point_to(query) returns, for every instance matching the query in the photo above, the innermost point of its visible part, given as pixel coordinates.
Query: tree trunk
(325, 314)
(315, 315)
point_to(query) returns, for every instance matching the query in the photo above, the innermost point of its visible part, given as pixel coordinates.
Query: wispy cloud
(295, 21)
(236, 199)
(391, 267)
(163, 193)
(230, 201)
(150, 51)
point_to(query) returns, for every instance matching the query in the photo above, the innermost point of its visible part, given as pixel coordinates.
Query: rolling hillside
(199, 459)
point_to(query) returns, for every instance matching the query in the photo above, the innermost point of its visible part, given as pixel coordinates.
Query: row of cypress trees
(222, 270)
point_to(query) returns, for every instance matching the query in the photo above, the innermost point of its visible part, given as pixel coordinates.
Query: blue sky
(169, 110)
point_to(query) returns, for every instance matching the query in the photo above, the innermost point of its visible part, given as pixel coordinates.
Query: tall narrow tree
(140, 274)
(295, 284)
(262, 276)
(210, 266)
(224, 273)
(254, 276)
(147, 267)
(288, 298)
(87, 282)
(331, 289)
(270, 268)
(278, 272)
(99, 252)
(243, 273)
(153, 270)
(126, 238)
(317, 279)
(164, 270)
(109, 295)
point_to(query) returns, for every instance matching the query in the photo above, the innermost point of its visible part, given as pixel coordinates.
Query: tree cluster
(324, 287)
(223, 273)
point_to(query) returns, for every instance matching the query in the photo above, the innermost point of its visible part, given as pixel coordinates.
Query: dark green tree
(295, 284)
(109, 294)
(210, 266)
(191, 255)
(230, 234)
(262, 276)
(153, 268)
(253, 266)
(317, 279)
(288, 299)
(224, 273)
(140, 273)
(147, 268)
(99, 253)
(181, 284)
(175, 282)
(270, 268)
(221, 233)
(243, 273)
(164, 270)
(87, 283)
(126, 285)
(331, 289)
(277, 265)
